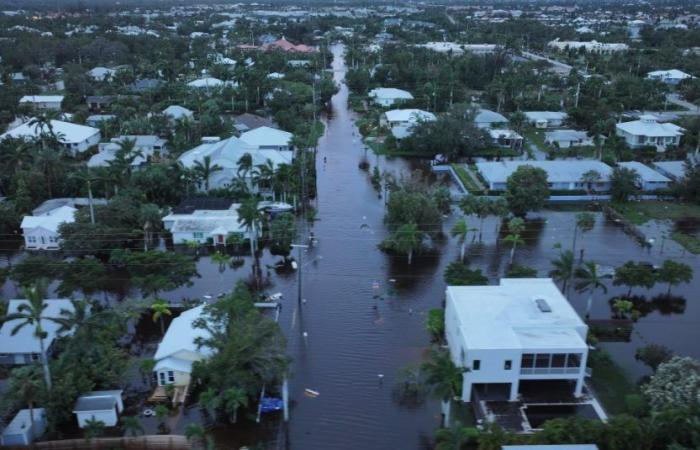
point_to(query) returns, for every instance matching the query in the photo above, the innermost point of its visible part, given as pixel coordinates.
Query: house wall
(109, 418)
(40, 239)
(180, 378)
(635, 141)
(79, 147)
(28, 434)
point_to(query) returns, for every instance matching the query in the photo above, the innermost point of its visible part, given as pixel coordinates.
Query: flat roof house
(21, 430)
(104, 406)
(41, 231)
(567, 138)
(561, 174)
(505, 138)
(518, 331)
(204, 225)
(401, 121)
(178, 351)
(673, 76)
(389, 96)
(73, 137)
(546, 119)
(24, 347)
(42, 102)
(649, 179)
(648, 131)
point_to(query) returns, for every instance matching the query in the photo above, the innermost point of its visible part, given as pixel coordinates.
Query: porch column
(514, 388)
(578, 391)
(466, 391)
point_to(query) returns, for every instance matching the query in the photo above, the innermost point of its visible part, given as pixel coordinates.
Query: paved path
(676, 100)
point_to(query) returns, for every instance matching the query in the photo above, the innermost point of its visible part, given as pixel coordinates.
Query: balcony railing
(549, 370)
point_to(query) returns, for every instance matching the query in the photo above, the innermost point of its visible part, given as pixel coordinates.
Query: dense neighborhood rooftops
(24, 341)
(562, 171)
(647, 125)
(646, 173)
(248, 121)
(515, 308)
(67, 132)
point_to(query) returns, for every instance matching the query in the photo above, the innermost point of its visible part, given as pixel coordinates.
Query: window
(528, 361)
(574, 360)
(476, 365)
(31, 239)
(558, 360)
(542, 360)
(52, 239)
(35, 357)
(171, 376)
(508, 364)
(198, 235)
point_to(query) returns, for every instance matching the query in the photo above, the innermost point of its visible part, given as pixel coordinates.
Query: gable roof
(69, 133)
(253, 121)
(646, 173)
(177, 111)
(488, 116)
(97, 401)
(51, 220)
(181, 335)
(24, 340)
(266, 136)
(648, 126)
(409, 115)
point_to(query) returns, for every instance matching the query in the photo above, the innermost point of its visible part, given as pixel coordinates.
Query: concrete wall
(109, 418)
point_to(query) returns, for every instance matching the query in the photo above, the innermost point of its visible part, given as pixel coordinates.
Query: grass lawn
(689, 242)
(536, 137)
(610, 382)
(639, 213)
(466, 179)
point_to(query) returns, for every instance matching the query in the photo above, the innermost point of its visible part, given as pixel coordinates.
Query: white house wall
(109, 418)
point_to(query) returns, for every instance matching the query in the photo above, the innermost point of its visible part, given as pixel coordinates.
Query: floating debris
(311, 393)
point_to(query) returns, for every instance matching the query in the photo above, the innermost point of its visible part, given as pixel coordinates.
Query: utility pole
(300, 248)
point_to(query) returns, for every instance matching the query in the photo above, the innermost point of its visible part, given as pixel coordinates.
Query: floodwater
(363, 311)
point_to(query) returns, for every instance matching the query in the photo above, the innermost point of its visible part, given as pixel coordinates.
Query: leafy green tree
(456, 437)
(409, 386)
(631, 274)
(195, 434)
(26, 387)
(35, 267)
(589, 281)
(435, 324)
(674, 273)
(676, 384)
(283, 232)
(131, 426)
(516, 226)
(87, 275)
(407, 239)
(233, 399)
(407, 206)
(480, 207)
(459, 274)
(154, 271)
(160, 309)
(31, 314)
(442, 376)
(526, 190)
(563, 269)
(204, 170)
(250, 217)
(624, 183)
(93, 428)
(653, 355)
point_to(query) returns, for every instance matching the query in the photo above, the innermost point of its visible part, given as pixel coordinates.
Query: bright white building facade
(43, 102)
(205, 226)
(647, 131)
(402, 121)
(73, 138)
(41, 231)
(520, 330)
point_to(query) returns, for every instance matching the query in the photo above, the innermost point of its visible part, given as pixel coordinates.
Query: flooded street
(362, 312)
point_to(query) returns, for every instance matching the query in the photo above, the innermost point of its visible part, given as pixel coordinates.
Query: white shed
(104, 406)
(21, 431)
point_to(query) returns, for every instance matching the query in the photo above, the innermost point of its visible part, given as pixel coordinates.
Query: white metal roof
(267, 137)
(177, 112)
(41, 99)
(565, 135)
(50, 220)
(390, 94)
(486, 116)
(648, 126)
(545, 115)
(181, 335)
(23, 420)
(409, 115)
(24, 340)
(205, 82)
(503, 133)
(674, 168)
(673, 74)
(68, 132)
(645, 172)
(562, 171)
(508, 316)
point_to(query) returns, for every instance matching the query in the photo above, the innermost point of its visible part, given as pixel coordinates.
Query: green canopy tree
(624, 183)
(160, 309)
(459, 274)
(461, 230)
(674, 273)
(526, 190)
(632, 274)
(407, 239)
(563, 269)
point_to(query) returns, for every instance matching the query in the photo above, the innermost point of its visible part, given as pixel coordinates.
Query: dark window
(528, 361)
(542, 360)
(508, 364)
(559, 360)
(476, 365)
(574, 360)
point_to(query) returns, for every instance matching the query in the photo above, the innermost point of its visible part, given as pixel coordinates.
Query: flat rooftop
(563, 171)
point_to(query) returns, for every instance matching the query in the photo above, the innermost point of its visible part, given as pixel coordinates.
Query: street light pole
(300, 248)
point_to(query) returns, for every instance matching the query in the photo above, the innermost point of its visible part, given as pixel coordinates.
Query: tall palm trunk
(45, 364)
(462, 250)
(512, 253)
(410, 256)
(589, 304)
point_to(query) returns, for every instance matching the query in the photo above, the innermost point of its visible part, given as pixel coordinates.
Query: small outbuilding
(104, 406)
(23, 429)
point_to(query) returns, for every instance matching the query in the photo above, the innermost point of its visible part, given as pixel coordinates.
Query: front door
(161, 378)
(221, 238)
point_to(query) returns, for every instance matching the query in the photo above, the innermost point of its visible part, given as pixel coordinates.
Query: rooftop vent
(543, 305)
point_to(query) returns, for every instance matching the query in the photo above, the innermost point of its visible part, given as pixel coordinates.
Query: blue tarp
(271, 404)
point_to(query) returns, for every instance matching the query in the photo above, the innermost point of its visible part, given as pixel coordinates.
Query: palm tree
(232, 399)
(131, 425)
(516, 226)
(460, 230)
(31, 313)
(263, 173)
(221, 259)
(204, 170)
(563, 269)
(43, 126)
(209, 400)
(93, 428)
(442, 376)
(48, 162)
(245, 165)
(589, 280)
(75, 317)
(249, 216)
(160, 309)
(26, 387)
(407, 240)
(456, 437)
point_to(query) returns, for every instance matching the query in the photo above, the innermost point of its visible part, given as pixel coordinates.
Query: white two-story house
(647, 131)
(519, 331)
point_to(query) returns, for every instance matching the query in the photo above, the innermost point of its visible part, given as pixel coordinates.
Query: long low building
(675, 170)
(73, 138)
(649, 179)
(561, 175)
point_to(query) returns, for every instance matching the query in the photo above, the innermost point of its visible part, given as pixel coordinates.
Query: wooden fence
(151, 442)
